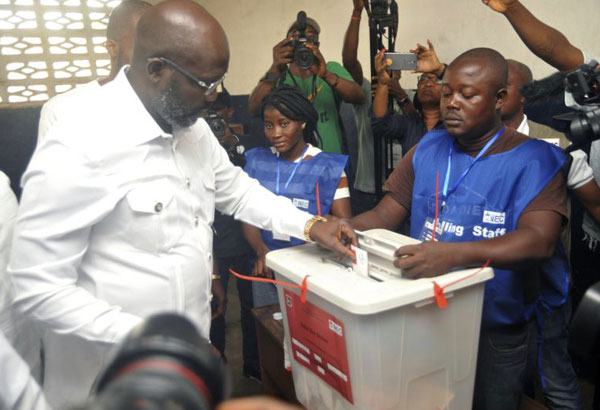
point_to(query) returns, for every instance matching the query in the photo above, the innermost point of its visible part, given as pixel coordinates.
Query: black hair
(294, 105)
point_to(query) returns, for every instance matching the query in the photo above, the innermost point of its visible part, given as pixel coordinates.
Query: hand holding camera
(427, 59)
(383, 77)
(318, 66)
(283, 53)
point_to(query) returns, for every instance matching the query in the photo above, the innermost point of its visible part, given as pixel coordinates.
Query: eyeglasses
(210, 87)
(422, 79)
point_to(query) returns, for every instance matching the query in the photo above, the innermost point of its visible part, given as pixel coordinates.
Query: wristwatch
(270, 76)
(404, 101)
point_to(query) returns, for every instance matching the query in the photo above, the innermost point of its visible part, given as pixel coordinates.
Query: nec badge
(300, 203)
(496, 218)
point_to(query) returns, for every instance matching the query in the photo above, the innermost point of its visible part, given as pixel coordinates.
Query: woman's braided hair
(291, 103)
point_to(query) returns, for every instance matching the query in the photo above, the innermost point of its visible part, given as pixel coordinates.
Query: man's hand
(501, 6)
(359, 5)
(426, 259)
(335, 235)
(283, 54)
(396, 89)
(219, 294)
(319, 67)
(383, 77)
(427, 59)
(256, 403)
(260, 266)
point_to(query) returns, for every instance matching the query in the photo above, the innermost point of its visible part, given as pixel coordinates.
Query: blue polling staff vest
(325, 169)
(486, 204)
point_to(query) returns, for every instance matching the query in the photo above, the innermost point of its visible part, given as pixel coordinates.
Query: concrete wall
(255, 26)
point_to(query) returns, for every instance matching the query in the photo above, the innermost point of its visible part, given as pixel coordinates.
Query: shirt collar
(524, 126)
(139, 125)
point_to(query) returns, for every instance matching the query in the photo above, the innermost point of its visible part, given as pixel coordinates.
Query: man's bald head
(182, 31)
(123, 19)
(120, 31)
(523, 71)
(519, 75)
(490, 60)
(179, 50)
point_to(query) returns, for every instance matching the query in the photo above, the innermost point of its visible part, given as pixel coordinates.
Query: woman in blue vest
(295, 168)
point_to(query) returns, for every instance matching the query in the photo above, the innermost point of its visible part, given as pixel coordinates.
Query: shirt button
(196, 221)
(158, 207)
(187, 183)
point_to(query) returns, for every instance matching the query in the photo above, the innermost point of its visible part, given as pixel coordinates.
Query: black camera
(217, 124)
(303, 57)
(379, 8)
(162, 364)
(584, 84)
(228, 140)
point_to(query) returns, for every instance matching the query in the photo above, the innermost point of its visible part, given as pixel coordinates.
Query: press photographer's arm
(544, 41)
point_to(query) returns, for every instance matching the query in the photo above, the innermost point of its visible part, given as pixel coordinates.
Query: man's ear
(501, 95)
(155, 69)
(113, 49)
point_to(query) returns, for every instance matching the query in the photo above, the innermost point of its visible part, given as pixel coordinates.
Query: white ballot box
(378, 342)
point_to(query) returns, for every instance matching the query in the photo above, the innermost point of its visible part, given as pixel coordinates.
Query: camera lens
(164, 363)
(585, 126)
(303, 57)
(218, 126)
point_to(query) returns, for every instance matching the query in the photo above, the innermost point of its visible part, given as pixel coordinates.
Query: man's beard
(170, 107)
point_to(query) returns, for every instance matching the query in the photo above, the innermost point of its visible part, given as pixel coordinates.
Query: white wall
(255, 26)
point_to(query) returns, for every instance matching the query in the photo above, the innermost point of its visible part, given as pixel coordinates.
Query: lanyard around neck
(293, 172)
(445, 192)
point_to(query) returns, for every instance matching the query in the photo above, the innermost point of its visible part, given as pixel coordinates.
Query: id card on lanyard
(279, 236)
(428, 226)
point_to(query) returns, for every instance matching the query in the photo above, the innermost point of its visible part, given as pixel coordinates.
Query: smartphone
(400, 61)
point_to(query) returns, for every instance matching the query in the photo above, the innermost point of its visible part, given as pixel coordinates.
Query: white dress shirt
(60, 107)
(18, 389)
(22, 334)
(115, 225)
(8, 214)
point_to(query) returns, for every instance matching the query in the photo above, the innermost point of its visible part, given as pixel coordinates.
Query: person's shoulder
(6, 193)
(513, 140)
(65, 103)
(339, 69)
(541, 131)
(312, 151)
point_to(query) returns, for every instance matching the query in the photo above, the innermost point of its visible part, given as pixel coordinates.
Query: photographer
(408, 129)
(324, 84)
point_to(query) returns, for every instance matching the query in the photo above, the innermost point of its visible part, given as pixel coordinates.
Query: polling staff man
(117, 207)
(501, 197)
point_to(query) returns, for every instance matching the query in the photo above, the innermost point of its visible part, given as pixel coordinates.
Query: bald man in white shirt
(117, 206)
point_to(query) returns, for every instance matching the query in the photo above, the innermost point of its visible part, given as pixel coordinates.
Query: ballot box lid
(340, 285)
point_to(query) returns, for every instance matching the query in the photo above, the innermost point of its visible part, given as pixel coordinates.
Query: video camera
(584, 84)
(162, 364)
(303, 57)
